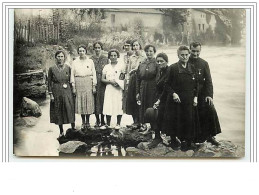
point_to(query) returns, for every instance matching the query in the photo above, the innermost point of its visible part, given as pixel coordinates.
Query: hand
(137, 97)
(209, 100)
(94, 89)
(195, 101)
(112, 82)
(176, 98)
(51, 98)
(115, 84)
(132, 71)
(156, 105)
(73, 89)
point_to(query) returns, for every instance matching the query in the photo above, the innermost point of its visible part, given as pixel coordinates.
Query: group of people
(176, 100)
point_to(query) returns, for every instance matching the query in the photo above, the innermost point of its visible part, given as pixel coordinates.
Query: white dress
(113, 95)
(83, 78)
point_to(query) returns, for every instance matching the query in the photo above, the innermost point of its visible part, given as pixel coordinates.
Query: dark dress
(146, 85)
(62, 110)
(180, 119)
(162, 95)
(208, 117)
(131, 104)
(100, 87)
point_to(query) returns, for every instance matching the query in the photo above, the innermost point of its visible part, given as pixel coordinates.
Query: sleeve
(163, 95)
(138, 80)
(128, 68)
(168, 82)
(72, 76)
(50, 77)
(94, 74)
(158, 91)
(208, 81)
(104, 69)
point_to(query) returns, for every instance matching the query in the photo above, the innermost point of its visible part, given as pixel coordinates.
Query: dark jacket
(204, 77)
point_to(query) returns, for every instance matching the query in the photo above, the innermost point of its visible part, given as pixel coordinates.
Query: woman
(113, 92)
(100, 61)
(180, 118)
(138, 56)
(146, 81)
(83, 80)
(162, 62)
(127, 49)
(62, 102)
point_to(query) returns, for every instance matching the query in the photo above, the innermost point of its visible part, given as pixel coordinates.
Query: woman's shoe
(87, 126)
(61, 135)
(103, 127)
(97, 125)
(117, 127)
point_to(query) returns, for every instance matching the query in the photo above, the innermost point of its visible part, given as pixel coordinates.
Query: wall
(151, 21)
(201, 21)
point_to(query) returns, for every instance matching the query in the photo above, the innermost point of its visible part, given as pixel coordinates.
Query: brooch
(64, 85)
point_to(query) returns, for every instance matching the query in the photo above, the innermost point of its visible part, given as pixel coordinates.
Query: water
(227, 66)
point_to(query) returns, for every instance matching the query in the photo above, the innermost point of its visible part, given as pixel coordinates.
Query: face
(135, 46)
(60, 58)
(97, 48)
(81, 51)
(184, 56)
(195, 51)
(150, 52)
(161, 62)
(127, 47)
(113, 57)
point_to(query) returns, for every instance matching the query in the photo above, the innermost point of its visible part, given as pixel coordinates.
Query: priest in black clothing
(209, 122)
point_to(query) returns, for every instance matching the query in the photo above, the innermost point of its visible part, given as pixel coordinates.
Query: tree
(234, 22)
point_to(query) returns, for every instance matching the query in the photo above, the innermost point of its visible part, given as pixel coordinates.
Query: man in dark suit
(208, 118)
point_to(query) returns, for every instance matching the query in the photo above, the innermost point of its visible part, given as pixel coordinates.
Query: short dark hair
(83, 46)
(98, 42)
(162, 55)
(182, 48)
(128, 42)
(148, 46)
(60, 51)
(133, 41)
(195, 44)
(113, 50)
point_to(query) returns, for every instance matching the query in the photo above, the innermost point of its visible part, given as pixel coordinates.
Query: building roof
(205, 11)
(137, 10)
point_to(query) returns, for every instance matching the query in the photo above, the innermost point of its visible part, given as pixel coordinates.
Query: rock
(225, 149)
(135, 137)
(160, 151)
(31, 84)
(207, 150)
(30, 108)
(143, 146)
(73, 147)
(135, 152)
(25, 121)
(117, 135)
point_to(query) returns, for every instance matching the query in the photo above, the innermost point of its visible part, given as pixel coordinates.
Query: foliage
(237, 19)
(178, 16)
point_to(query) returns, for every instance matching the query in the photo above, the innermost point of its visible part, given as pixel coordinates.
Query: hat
(150, 115)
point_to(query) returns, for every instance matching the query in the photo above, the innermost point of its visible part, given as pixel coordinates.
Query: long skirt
(132, 107)
(99, 96)
(84, 95)
(209, 121)
(147, 96)
(112, 101)
(62, 110)
(181, 119)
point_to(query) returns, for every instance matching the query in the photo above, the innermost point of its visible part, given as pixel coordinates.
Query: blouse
(83, 68)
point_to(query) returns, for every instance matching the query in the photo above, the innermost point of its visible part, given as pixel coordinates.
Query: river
(227, 66)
